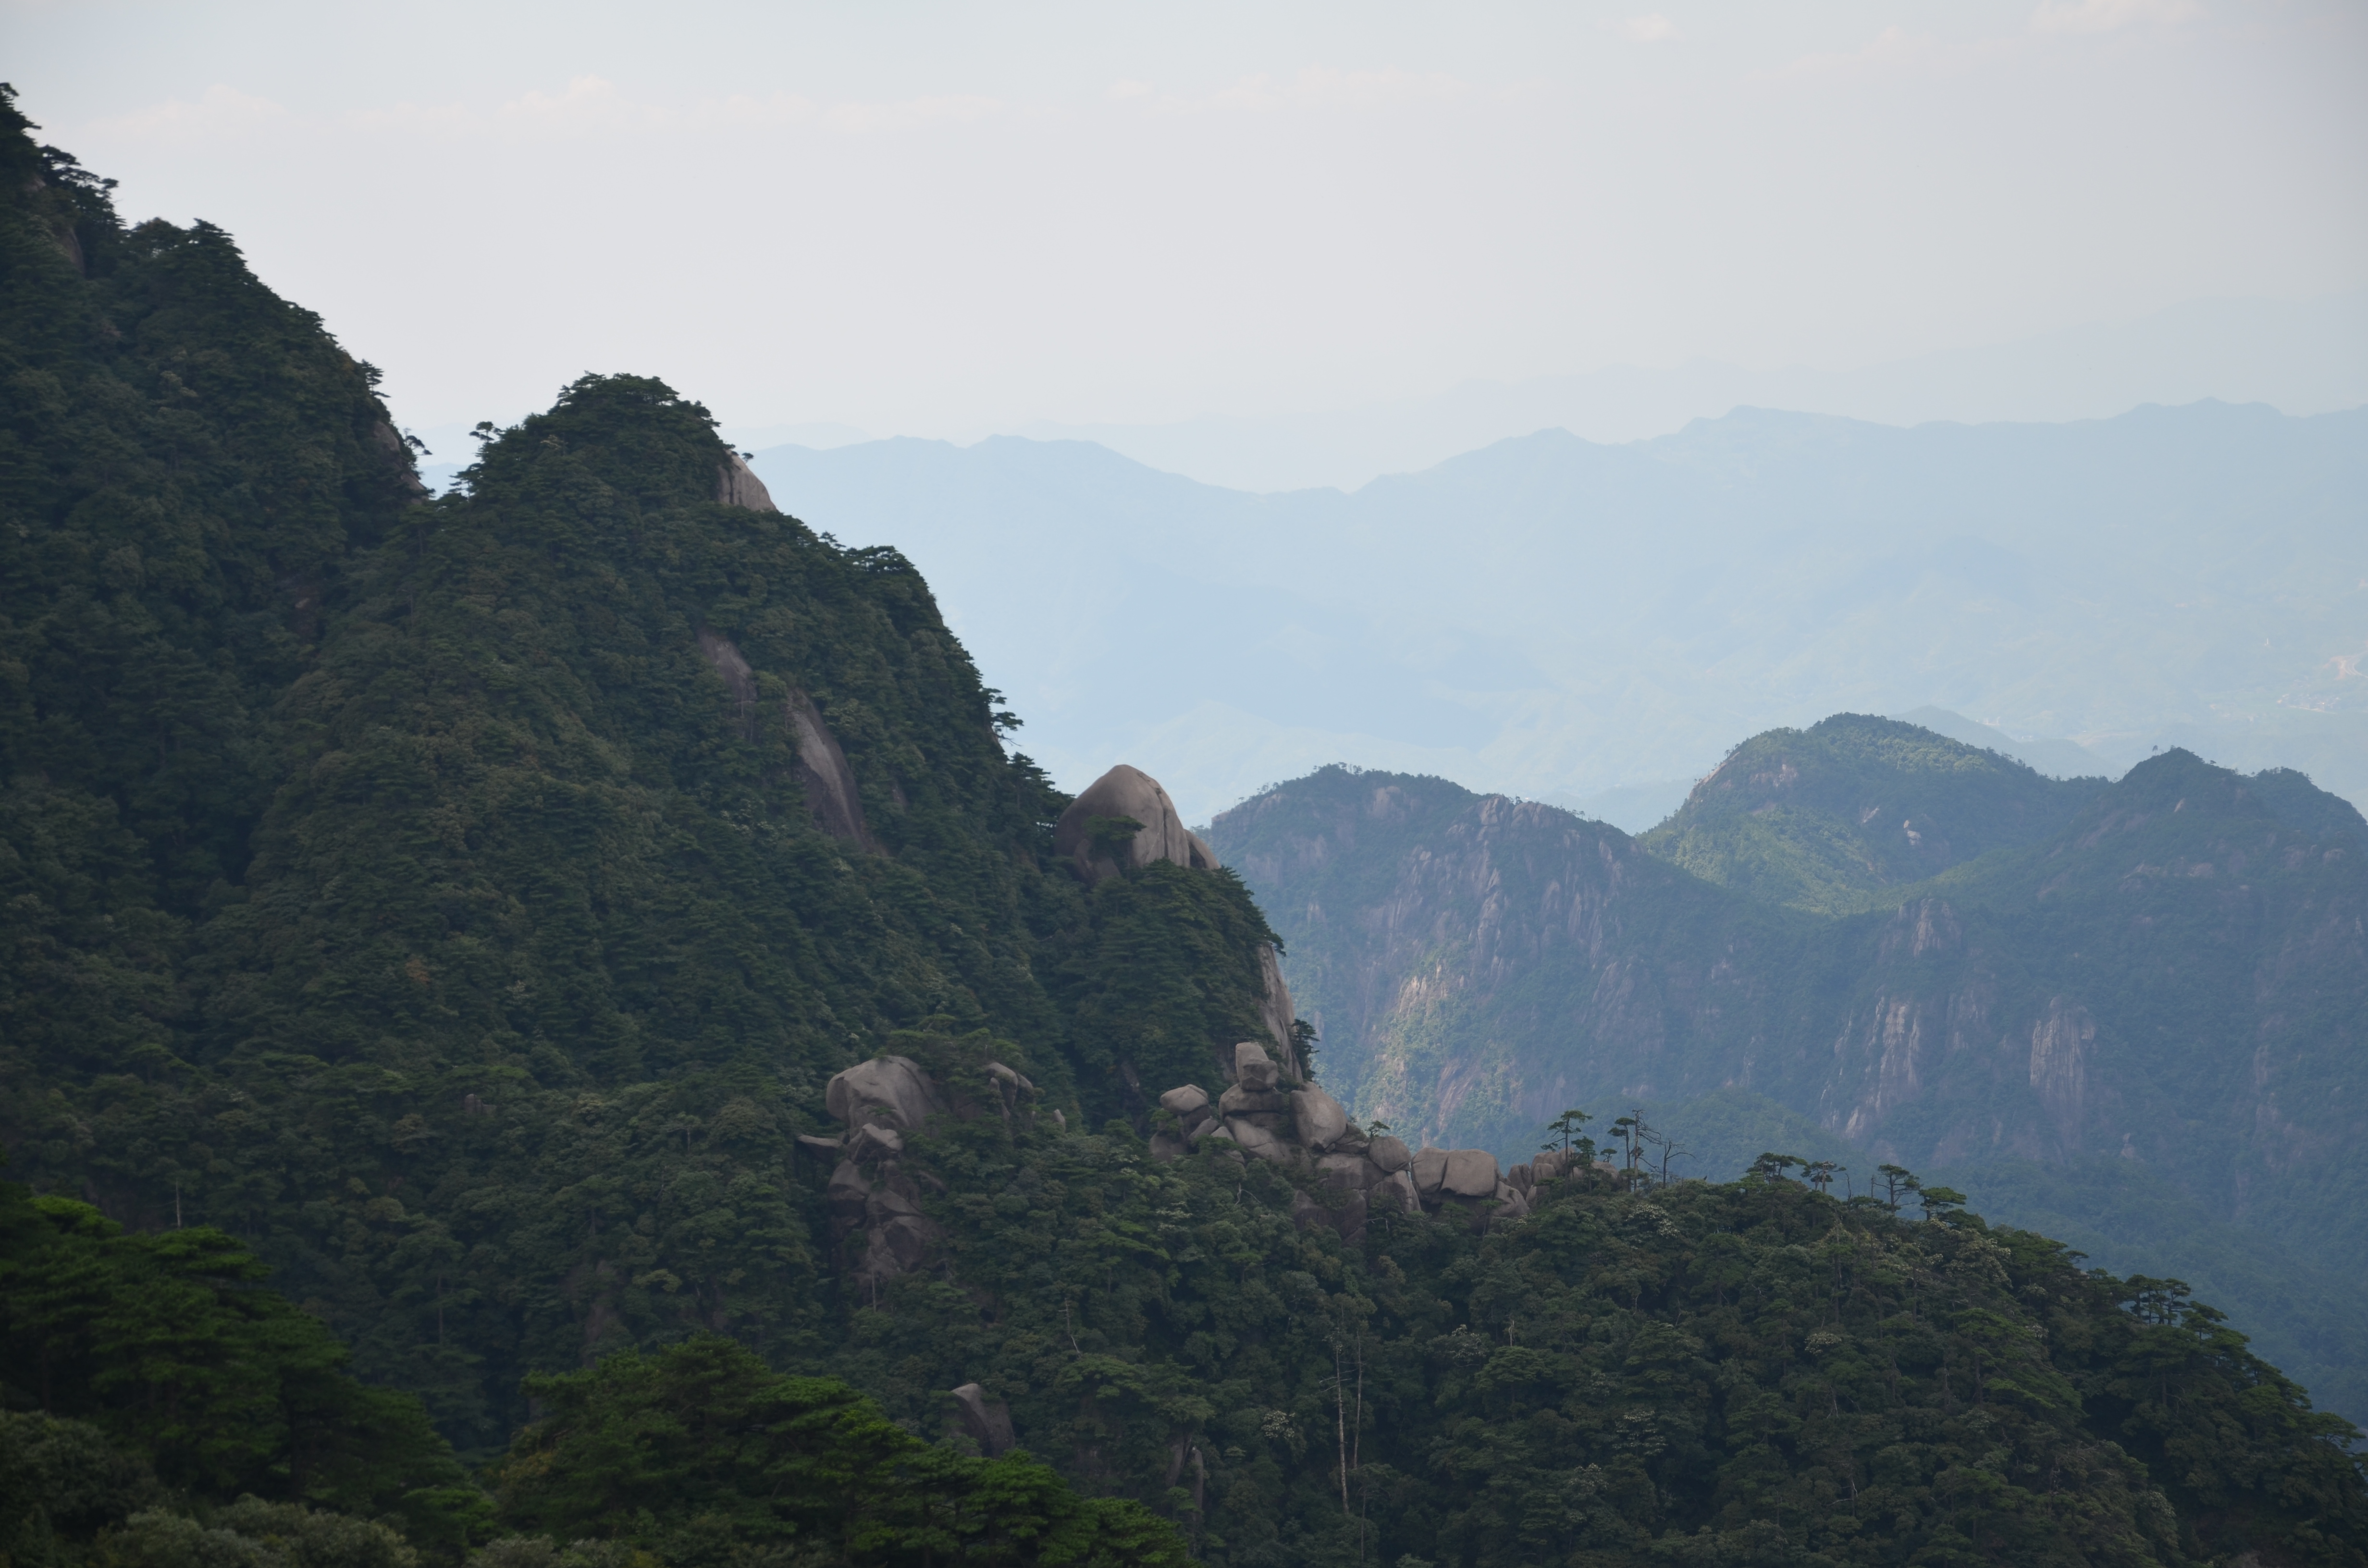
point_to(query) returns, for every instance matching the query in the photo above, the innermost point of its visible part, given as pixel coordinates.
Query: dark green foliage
(61, 1482)
(1828, 817)
(161, 1346)
(432, 902)
(2172, 981)
(1165, 968)
(252, 1533)
(1695, 1373)
(429, 894)
(700, 1455)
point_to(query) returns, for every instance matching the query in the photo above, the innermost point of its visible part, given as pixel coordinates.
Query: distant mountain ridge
(2098, 973)
(1831, 817)
(1556, 619)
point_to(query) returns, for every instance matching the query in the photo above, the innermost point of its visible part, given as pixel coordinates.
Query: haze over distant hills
(2302, 356)
(1562, 619)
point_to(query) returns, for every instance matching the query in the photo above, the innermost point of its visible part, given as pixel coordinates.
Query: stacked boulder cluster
(1295, 1122)
(870, 1190)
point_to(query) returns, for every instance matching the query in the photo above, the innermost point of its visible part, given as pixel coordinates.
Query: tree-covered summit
(1827, 818)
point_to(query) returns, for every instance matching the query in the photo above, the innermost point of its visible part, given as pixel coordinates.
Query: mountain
(2056, 757)
(2165, 972)
(1827, 818)
(463, 903)
(2303, 357)
(1556, 619)
(548, 1025)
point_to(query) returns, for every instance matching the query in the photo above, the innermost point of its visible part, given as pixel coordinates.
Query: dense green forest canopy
(426, 940)
(1832, 817)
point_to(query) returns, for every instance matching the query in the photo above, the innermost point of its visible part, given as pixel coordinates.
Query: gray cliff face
(822, 769)
(1475, 965)
(1470, 962)
(737, 484)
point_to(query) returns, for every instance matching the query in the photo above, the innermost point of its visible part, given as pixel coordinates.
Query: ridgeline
(441, 938)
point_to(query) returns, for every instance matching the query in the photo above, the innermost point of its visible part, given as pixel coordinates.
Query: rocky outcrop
(1093, 836)
(1308, 1128)
(986, 1422)
(737, 484)
(822, 771)
(871, 1194)
(821, 767)
(1124, 821)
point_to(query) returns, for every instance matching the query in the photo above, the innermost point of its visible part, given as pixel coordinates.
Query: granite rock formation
(871, 1194)
(822, 769)
(1091, 832)
(1301, 1125)
(1125, 822)
(737, 484)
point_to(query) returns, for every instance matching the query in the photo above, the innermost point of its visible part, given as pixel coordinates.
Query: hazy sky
(940, 218)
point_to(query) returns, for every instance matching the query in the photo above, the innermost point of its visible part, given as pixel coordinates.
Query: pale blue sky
(941, 217)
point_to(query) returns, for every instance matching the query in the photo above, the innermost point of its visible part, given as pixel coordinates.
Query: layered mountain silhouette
(1932, 954)
(1556, 619)
(550, 1024)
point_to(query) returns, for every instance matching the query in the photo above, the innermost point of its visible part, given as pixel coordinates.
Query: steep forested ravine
(433, 929)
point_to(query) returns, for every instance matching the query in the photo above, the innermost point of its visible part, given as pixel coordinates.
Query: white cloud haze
(945, 219)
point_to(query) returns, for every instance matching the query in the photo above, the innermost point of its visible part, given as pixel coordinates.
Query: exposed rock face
(1131, 793)
(397, 452)
(737, 484)
(892, 1087)
(986, 1422)
(822, 768)
(1307, 1127)
(1478, 963)
(1253, 1069)
(822, 771)
(871, 1193)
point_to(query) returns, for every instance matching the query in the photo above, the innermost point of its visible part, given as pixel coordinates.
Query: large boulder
(1511, 1203)
(1239, 1101)
(1126, 794)
(1255, 1139)
(889, 1088)
(1253, 1068)
(986, 1422)
(1345, 1170)
(1469, 1172)
(1390, 1154)
(1428, 1166)
(737, 484)
(1184, 1101)
(1396, 1190)
(1321, 1120)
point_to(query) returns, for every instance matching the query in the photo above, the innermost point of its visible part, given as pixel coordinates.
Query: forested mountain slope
(430, 931)
(1824, 818)
(2175, 978)
(464, 901)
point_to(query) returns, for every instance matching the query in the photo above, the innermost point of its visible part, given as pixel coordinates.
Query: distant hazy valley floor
(2131, 1014)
